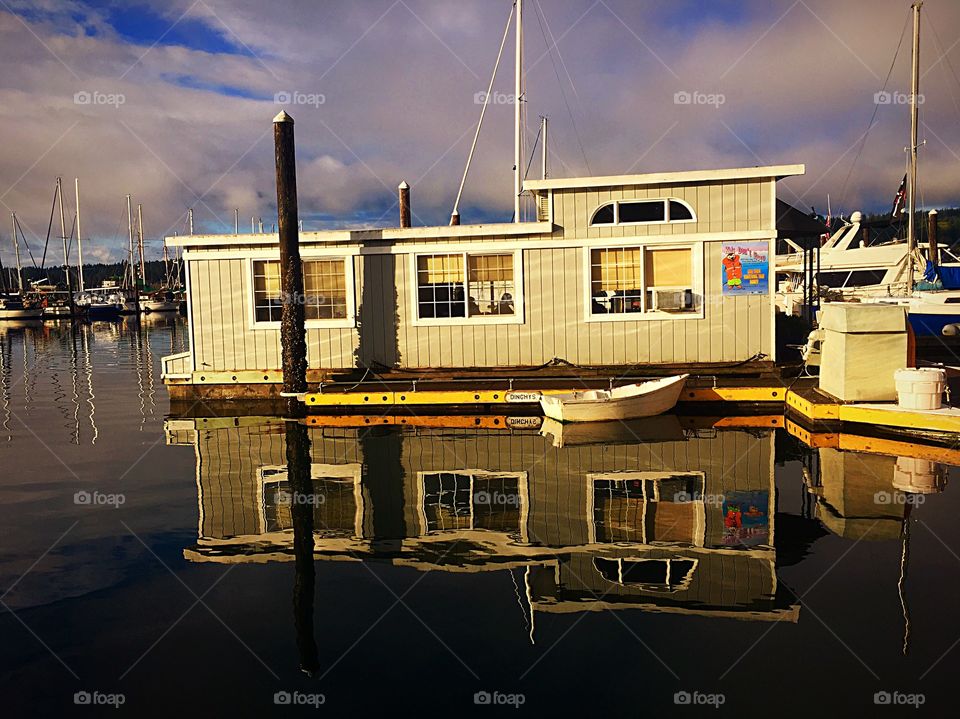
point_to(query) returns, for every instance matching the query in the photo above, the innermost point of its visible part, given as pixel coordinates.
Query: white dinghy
(628, 402)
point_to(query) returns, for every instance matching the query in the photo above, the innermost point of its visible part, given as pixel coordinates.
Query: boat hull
(651, 398)
(21, 314)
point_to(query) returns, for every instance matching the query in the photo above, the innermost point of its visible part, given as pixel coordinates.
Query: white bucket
(920, 388)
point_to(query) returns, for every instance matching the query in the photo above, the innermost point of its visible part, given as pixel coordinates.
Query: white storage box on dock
(863, 345)
(920, 388)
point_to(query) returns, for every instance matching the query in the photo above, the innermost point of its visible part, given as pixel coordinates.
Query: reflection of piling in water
(301, 506)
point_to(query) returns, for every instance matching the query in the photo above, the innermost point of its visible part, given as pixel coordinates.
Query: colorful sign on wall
(746, 268)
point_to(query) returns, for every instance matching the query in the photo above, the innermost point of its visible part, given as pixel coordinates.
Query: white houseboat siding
(552, 306)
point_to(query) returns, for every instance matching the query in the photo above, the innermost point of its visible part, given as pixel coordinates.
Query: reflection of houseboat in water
(676, 524)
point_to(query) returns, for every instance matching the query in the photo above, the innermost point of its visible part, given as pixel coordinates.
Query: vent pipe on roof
(454, 218)
(404, 199)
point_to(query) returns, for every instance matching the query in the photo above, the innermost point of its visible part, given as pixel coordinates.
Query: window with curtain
(616, 281)
(440, 286)
(625, 280)
(267, 300)
(490, 285)
(465, 285)
(324, 289)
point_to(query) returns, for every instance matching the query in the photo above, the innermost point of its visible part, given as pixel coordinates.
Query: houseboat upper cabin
(621, 271)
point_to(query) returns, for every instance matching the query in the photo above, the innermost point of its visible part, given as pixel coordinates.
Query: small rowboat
(628, 402)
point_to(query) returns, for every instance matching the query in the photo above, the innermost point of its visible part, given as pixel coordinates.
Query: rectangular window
(326, 294)
(325, 289)
(642, 280)
(267, 299)
(466, 285)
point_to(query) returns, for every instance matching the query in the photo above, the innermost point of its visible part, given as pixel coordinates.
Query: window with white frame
(640, 280)
(324, 288)
(466, 285)
(638, 212)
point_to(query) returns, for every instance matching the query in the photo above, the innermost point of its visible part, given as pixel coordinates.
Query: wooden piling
(932, 236)
(292, 332)
(404, 200)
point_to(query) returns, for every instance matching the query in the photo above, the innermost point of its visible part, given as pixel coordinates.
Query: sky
(172, 101)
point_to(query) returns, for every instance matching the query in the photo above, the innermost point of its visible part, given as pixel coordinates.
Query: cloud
(397, 81)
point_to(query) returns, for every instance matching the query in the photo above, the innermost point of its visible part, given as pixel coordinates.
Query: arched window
(637, 212)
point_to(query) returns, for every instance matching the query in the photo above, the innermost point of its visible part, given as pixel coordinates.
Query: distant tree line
(94, 275)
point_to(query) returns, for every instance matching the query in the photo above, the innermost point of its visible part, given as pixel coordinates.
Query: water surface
(167, 562)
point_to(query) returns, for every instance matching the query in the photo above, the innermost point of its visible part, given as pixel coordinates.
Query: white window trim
(698, 284)
(700, 523)
(350, 321)
(474, 474)
(317, 471)
(666, 212)
(519, 314)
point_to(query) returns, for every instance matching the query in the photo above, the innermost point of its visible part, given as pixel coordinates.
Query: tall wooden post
(932, 236)
(292, 333)
(404, 200)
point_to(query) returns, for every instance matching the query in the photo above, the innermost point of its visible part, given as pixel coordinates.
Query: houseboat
(670, 268)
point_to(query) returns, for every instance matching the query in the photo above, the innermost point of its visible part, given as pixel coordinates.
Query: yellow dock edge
(501, 396)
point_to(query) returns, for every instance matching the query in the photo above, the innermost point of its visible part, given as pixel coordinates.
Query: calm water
(165, 563)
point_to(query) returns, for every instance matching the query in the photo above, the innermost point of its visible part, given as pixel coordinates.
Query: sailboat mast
(543, 148)
(16, 251)
(518, 116)
(63, 237)
(76, 185)
(914, 118)
(143, 271)
(133, 278)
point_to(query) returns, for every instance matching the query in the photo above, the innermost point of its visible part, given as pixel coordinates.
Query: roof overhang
(392, 234)
(666, 178)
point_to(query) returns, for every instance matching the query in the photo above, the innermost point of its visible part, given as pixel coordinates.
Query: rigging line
(943, 54)
(876, 109)
(563, 94)
(483, 110)
(43, 261)
(533, 151)
(26, 244)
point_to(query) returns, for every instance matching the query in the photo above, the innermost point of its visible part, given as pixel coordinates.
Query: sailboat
(851, 269)
(14, 304)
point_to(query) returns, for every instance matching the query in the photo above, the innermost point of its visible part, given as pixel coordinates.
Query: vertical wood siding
(733, 329)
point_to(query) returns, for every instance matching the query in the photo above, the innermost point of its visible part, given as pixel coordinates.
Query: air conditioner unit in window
(671, 300)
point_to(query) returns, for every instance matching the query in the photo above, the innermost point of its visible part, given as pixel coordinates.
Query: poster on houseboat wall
(746, 268)
(746, 519)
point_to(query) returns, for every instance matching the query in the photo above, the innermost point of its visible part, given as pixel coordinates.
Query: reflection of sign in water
(746, 268)
(746, 520)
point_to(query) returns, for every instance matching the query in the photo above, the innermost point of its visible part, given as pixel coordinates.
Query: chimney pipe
(454, 218)
(932, 236)
(404, 190)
